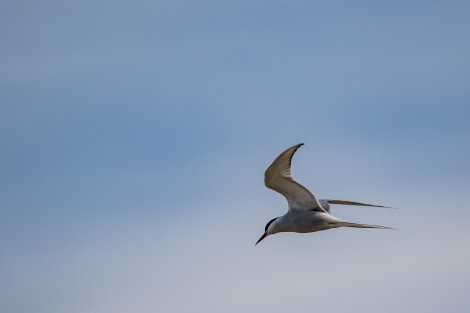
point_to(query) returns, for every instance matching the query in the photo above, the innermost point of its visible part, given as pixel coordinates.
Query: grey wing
(278, 177)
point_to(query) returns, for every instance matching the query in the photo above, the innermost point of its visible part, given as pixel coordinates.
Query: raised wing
(344, 202)
(278, 177)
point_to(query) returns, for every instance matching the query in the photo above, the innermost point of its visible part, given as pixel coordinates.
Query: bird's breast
(302, 222)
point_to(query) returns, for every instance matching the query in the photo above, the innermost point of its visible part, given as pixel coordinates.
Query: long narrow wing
(278, 177)
(344, 202)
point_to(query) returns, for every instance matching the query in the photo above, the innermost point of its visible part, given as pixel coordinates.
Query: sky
(134, 137)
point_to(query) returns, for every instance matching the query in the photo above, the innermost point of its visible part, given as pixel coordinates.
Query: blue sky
(134, 138)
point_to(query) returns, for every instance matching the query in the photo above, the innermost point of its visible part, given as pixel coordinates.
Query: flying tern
(306, 213)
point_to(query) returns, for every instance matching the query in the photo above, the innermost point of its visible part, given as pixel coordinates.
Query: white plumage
(306, 213)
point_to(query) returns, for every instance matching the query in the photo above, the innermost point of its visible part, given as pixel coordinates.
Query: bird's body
(303, 222)
(306, 213)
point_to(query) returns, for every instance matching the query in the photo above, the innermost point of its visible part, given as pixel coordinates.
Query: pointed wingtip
(385, 207)
(296, 147)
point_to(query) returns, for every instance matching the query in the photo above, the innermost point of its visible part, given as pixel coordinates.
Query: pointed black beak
(262, 237)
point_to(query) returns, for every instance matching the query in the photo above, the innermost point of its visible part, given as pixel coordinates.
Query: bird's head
(271, 228)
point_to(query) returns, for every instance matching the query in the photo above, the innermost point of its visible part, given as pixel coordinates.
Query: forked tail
(348, 224)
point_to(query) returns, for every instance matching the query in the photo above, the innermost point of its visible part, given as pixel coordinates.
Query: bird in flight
(306, 213)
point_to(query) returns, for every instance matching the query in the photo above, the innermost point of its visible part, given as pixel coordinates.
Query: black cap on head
(269, 223)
